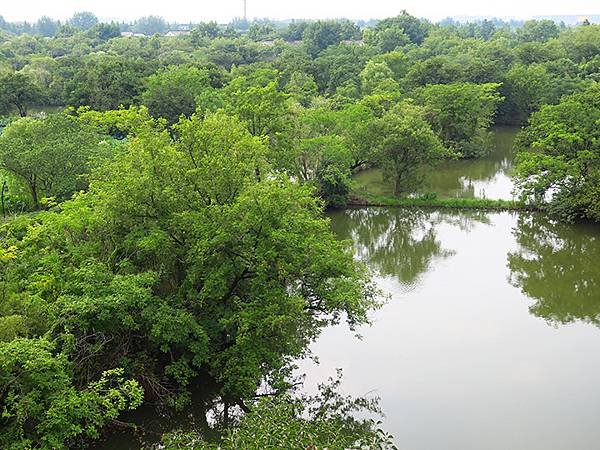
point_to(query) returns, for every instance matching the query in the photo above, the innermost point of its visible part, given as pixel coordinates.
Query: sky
(224, 10)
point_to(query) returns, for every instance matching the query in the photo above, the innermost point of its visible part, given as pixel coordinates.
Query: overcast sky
(224, 10)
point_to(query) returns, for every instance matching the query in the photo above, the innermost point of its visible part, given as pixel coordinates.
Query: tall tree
(51, 155)
(19, 91)
(83, 20)
(175, 91)
(407, 143)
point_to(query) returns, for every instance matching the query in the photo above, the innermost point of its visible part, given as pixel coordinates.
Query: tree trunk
(34, 196)
(2, 190)
(22, 110)
(398, 186)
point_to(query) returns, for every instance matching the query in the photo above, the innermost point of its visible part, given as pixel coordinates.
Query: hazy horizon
(226, 10)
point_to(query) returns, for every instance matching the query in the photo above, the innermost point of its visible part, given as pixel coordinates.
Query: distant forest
(150, 25)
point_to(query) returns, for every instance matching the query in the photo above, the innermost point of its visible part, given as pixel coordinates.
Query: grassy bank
(432, 202)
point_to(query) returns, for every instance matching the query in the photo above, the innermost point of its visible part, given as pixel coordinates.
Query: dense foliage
(559, 162)
(466, 77)
(187, 258)
(175, 187)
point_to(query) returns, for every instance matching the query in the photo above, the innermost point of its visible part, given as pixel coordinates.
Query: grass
(433, 202)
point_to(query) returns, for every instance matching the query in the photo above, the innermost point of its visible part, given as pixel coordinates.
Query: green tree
(83, 20)
(461, 114)
(403, 25)
(321, 421)
(105, 82)
(321, 34)
(325, 162)
(538, 31)
(302, 87)
(184, 267)
(19, 91)
(150, 25)
(43, 408)
(259, 102)
(46, 26)
(525, 88)
(559, 157)
(103, 32)
(51, 155)
(407, 143)
(377, 76)
(174, 91)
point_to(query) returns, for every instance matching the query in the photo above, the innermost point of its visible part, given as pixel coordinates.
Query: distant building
(175, 33)
(179, 30)
(131, 34)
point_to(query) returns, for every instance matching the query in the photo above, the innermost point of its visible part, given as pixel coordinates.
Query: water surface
(490, 339)
(487, 177)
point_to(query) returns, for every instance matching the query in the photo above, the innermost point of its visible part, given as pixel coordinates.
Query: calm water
(490, 339)
(488, 177)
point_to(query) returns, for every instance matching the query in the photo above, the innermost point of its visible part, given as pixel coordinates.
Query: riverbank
(444, 203)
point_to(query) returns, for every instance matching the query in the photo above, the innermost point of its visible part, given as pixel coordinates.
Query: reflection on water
(557, 265)
(461, 360)
(204, 416)
(487, 177)
(394, 242)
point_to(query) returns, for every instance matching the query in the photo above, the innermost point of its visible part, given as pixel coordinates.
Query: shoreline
(444, 203)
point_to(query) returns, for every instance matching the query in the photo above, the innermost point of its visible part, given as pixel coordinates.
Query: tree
(325, 162)
(259, 102)
(105, 82)
(559, 157)
(51, 155)
(184, 267)
(525, 88)
(205, 30)
(150, 25)
(42, 406)
(103, 32)
(338, 65)
(393, 30)
(407, 143)
(538, 31)
(321, 421)
(302, 87)
(46, 26)
(321, 34)
(83, 20)
(461, 114)
(377, 76)
(19, 91)
(174, 91)
(387, 40)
